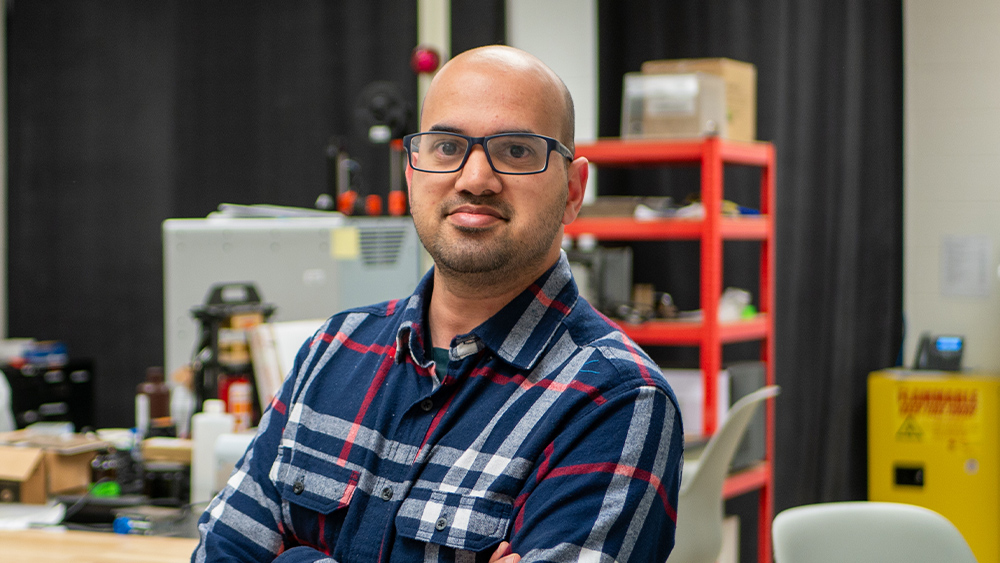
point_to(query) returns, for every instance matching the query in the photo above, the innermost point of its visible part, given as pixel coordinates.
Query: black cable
(81, 502)
(88, 527)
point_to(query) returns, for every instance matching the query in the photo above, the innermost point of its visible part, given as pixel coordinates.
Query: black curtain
(830, 98)
(475, 23)
(124, 114)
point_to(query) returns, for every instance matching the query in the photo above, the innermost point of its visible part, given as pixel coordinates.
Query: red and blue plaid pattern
(551, 430)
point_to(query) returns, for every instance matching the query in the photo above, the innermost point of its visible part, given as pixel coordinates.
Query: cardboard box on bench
(32, 467)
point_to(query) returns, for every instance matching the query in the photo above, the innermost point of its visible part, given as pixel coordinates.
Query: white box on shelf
(664, 106)
(689, 387)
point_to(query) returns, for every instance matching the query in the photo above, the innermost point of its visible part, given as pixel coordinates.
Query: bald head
(508, 63)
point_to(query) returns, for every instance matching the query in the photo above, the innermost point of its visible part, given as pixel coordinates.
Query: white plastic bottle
(206, 427)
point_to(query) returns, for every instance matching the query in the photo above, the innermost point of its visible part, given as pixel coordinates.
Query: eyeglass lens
(444, 152)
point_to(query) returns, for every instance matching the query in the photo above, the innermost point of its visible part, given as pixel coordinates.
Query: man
(492, 414)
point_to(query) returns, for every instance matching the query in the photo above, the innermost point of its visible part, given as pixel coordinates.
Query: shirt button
(387, 493)
(427, 405)
(441, 524)
(298, 487)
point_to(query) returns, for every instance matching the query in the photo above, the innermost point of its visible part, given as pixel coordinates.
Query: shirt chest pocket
(313, 483)
(453, 520)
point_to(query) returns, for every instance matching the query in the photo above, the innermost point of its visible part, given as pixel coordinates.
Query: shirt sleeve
(243, 523)
(607, 486)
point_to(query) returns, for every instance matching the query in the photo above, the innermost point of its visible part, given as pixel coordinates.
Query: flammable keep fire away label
(937, 413)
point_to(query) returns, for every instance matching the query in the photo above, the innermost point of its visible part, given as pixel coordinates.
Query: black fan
(382, 112)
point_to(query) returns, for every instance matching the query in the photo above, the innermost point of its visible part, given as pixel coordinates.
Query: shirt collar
(519, 333)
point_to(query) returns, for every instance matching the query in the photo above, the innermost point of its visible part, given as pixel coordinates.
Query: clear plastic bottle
(206, 427)
(181, 407)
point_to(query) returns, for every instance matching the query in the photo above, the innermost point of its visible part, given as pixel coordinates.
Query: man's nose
(477, 176)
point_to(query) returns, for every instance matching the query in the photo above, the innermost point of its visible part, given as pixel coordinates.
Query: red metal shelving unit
(708, 334)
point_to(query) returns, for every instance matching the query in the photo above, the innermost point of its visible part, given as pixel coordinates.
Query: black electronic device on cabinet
(941, 352)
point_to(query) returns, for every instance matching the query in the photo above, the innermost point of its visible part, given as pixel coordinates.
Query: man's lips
(475, 216)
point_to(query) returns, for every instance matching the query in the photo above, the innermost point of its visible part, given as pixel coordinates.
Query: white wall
(563, 34)
(433, 30)
(952, 174)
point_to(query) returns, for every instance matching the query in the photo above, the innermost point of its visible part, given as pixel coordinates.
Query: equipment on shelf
(711, 229)
(222, 355)
(308, 267)
(604, 275)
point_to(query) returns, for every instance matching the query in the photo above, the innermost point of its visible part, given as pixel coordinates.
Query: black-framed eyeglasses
(507, 153)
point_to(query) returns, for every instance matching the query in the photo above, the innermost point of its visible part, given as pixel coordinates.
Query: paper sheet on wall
(966, 265)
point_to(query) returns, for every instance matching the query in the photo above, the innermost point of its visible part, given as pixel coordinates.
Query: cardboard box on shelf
(740, 84)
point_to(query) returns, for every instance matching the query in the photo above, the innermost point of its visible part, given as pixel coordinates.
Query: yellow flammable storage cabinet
(933, 441)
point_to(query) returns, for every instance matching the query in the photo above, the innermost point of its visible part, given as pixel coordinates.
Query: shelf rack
(712, 154)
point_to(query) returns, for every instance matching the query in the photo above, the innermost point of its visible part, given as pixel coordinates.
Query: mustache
(492, 201)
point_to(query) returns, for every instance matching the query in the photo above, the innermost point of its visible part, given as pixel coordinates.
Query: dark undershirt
(440, 356)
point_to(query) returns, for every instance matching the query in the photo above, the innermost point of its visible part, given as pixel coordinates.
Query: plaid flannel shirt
(551, 429)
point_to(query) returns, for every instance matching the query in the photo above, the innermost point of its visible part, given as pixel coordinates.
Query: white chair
(862, 532)
(699, 507)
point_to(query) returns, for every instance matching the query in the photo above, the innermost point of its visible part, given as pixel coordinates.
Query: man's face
(476, 221)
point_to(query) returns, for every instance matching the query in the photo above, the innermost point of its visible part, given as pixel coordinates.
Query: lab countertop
(44, 546)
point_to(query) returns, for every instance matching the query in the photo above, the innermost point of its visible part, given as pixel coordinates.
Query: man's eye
(517, 151)
(447, 148)
(513, 150)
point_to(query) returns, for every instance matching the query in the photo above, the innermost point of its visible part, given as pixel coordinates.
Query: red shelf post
(711, 280)
(709, 334)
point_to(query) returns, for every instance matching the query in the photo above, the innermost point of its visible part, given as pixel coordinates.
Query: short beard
(495, 260)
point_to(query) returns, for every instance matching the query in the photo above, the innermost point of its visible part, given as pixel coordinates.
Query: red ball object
(424, 59)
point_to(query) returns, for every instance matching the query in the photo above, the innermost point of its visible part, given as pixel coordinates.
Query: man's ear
(577, 179)
(409, 182)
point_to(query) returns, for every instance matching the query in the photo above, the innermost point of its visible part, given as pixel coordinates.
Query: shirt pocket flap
(318, 485)
(453, 520)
